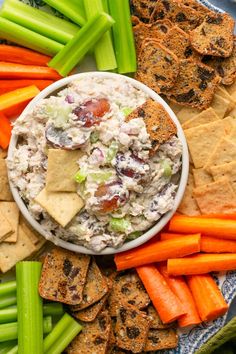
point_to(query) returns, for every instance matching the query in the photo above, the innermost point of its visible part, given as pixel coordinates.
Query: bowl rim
(59, 85)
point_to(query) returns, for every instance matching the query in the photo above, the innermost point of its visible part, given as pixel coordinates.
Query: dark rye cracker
(131, 328)
(142, 9)
(63, 276)
(182, 16)
(158, 122)
(93, 338)
(195, 85)
(214, 36)
(195, 5)
(158, 67)
(154, 318)
(161, 339)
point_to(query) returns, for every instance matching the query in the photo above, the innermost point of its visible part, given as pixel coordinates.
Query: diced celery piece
(81, 176)
(119, 225)
(100, 177)
(94, 137)
(167, 168)
(127, 111)
(112, 151)
(133, 235)
(73, 9)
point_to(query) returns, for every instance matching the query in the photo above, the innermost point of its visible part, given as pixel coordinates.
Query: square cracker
(227, 170)
(11, 253)
(63, 276)
(216, 197)
(33, 235)
(224, 152)
(202, 140)
(188, 205)
(62, 206)
(5, 227)
(62, 167)
(187, 113)
(3, 153)
(206, 116)
(221, 91)
(201, 177)
(11, 212)
(220, 105)
(5, 193)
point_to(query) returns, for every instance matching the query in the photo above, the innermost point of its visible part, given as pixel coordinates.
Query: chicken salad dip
(88, 173)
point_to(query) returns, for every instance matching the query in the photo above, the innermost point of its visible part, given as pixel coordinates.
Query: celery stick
(29, 39)
(9, 331)
(84, 40)
(73, 9)
(50, 309)
(38, 21)
(123, 36)
(8, 287)
(103, 50)
(6, 301)
(62, 334)
(6, 347)
(30, 308)
(13, 350)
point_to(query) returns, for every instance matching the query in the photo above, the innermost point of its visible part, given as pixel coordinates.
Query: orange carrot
(5, 131)
(202, 263)
(20, 55)
(169, 236)
(19, 71)
(10, 85)
(219, 228)
(164, 300)
(208, 298)
(181, 290)
(13, 102)
(157, 251)
(216, 245)
(219, 216)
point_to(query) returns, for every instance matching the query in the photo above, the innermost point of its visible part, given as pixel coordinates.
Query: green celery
(27, 38)
(9, 331)
(8, 287)
(94, 137)
(62, 334)
(133, 235)
(80, 176)
(38, 21)
(119, 225)
(112, 151)
(103, 50)
(82, 42)
(73, 9)
(30, 308)
(6, 347)
(167, 168)
(13, 350)
(127, 110)
(6, 301)
(100, 177)
(123, 36)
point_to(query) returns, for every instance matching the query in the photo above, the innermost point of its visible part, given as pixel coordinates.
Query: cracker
(63, 276)
(95, 287)
(11, 253)
(221, 91)
(187, 113)
(174, 106)
(11, 212)
(214, 36)
(157, 66)
(232, 90)
(5, 193)
(224, 152)
(195, 85)
(201, 177)
(5, 227)
(62, 206)
(154, 318)
(3, 153)
(33, 235)
(161, 339)
(206, 116)
(62, 167)
(202, 140)
(216, 197)
(220, 105)
(194, 4)
(158, 122)
(142, 9)
(90, 313)
(227, 170)
(188, 205)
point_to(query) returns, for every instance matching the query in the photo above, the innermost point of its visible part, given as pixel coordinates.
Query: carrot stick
(208, 298)
(219, 216)
(164, 300)
(216, 245)
(5, 131)
(13, 102)
(157, 252)
(19, 71)
(219, 228)
(10, 85)
(181, 290)
(202, 263)
(169, 236)
(14, 54)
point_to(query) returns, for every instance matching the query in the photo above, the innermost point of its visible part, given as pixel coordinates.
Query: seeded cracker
(11, 212)
(207, 116)
(224, 152)
(216, 197)
(161, 339)
(142, 9)
(155, 321)
(188, 205)
(64, 276)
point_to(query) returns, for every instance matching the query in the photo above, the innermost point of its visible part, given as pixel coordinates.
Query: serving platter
(189, 339)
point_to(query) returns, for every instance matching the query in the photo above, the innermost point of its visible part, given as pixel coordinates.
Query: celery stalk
(6, 347)
(7, 301)
(123, 36)
(73, 9)
(8, 287)
(62, 334)
(38, 21)
(29, 39)
(9, 331)
(13, 350)
(84, 40)
(30, 308)
(103, 50)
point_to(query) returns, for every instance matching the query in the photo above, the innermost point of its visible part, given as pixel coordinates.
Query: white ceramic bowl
(160, 224)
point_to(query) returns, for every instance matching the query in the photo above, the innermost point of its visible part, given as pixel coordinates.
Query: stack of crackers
(184, 50)
(17, 240)
(113, 308)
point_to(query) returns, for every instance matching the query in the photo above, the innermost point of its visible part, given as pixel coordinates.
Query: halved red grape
(59, 138)
(132, 166)
(90, 112)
